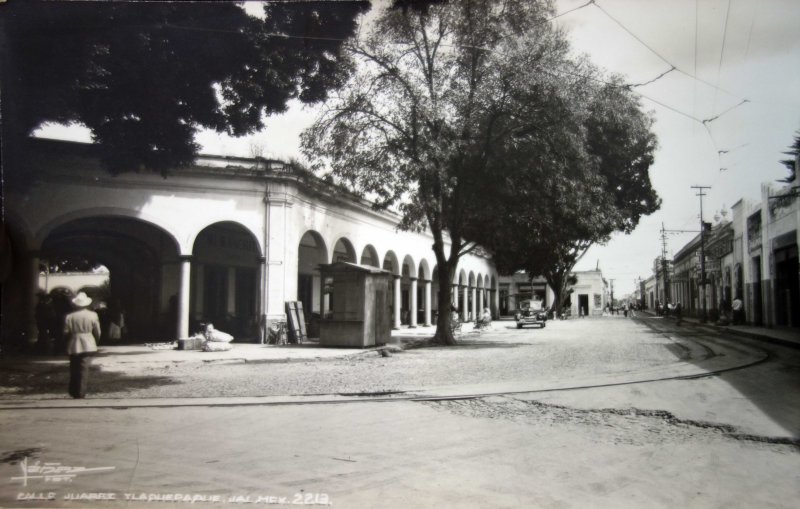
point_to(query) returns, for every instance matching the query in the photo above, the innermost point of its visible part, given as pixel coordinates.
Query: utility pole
(611, 304)
(700, 193)
(665, 265)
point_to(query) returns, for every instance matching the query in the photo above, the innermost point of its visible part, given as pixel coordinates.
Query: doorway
(583, 304)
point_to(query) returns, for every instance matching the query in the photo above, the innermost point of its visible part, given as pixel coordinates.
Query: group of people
(482, 321)
(75, 327)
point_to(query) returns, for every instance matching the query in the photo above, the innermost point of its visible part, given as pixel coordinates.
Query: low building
(589, 294)
(520, 286)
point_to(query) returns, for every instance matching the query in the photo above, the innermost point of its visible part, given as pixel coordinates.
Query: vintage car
(529, 312)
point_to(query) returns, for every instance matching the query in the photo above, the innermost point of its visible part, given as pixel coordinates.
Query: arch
(369, 256)
(343, 251)
(479, 282)
(424, 272)
(471, 279)
(409, 267)
(311, 253)
(142, 259)
(226, 274)
(92, 212)
(391, 263)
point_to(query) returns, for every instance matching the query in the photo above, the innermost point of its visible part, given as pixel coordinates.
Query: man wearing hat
(82, 328)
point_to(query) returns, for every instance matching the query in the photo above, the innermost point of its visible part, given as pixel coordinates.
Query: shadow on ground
(772, 385)
(56, 381)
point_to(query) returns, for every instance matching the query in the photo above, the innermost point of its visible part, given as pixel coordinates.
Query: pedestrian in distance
(737, 308)
(82, 329)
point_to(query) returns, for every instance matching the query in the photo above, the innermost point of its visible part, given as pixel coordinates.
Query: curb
(719, 329)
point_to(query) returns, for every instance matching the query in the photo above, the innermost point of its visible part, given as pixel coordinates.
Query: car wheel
(519, 326)
(543, 324)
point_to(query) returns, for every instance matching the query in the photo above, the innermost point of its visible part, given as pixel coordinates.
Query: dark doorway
(787, 287)
(755, 291)
(583, 304)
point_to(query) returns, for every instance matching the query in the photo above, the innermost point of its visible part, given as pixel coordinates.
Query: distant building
(753, 256)
(590, 292)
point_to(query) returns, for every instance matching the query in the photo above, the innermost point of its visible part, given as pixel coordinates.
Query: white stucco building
(228, 240)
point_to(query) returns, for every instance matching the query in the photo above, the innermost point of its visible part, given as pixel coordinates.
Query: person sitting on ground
(485, 318)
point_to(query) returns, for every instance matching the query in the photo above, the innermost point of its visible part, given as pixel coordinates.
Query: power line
(721, 54)
(659, 55)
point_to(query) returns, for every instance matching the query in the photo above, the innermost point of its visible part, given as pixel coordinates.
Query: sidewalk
(782, 335)
(117, 356)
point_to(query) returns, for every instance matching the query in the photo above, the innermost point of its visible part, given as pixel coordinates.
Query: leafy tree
(143, 76)
(563, 215)
(441, 93)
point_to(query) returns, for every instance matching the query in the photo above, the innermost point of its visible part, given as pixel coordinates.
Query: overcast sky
(724, 52)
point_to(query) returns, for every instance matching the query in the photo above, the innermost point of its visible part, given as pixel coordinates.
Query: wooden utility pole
(704, 316)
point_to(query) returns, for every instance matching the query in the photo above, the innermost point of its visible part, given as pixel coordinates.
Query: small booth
(355, 305)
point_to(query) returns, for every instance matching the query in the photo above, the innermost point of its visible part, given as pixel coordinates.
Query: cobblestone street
(472, 434)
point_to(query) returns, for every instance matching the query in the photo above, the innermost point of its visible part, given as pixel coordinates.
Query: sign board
(295, 321)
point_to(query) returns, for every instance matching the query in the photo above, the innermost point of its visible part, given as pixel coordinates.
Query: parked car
(529, 312)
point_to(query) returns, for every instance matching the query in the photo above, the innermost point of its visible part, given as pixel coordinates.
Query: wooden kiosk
(357, 313)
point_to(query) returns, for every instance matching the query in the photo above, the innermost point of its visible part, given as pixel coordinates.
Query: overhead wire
(721, 55)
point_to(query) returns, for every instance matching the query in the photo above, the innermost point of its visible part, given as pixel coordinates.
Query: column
(261, 298)
(31, 286)
(465, 303)
(473, 308)
(480, 301)
(396, 303)
(183, 296)
(427, 303)
(412, 303)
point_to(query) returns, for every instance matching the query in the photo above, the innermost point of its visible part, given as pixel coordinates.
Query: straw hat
(82, 300)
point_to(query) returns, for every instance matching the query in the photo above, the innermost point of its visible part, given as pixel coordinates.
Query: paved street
(606, 412)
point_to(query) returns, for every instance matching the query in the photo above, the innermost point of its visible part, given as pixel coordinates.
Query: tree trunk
(444, 332)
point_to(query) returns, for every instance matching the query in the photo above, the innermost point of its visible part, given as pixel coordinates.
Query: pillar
(427, 304)
(480, 301)
(412, 303)
(473, 308)
(396, 303)
(465, 303)
(31, 286)
(183, 296)
(261, 297)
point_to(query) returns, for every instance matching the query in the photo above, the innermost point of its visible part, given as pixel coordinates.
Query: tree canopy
(448, 102)
(144, 76)
(474, 121)
(562, 215)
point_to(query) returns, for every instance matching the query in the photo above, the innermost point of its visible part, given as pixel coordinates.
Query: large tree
(564, 214)
(144, 76)
(438, 92)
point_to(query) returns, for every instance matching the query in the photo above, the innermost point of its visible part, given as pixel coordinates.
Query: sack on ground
(216, 346)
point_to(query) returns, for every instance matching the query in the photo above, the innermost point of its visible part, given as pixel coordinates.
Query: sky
(734, 61)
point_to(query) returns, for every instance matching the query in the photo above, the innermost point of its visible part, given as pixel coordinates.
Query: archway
(142, 263)
(225, 280)
(312, 252)
(343, 251)
(369, 256)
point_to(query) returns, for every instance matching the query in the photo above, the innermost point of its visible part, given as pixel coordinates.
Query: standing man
(737, 307)
(82, 328)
